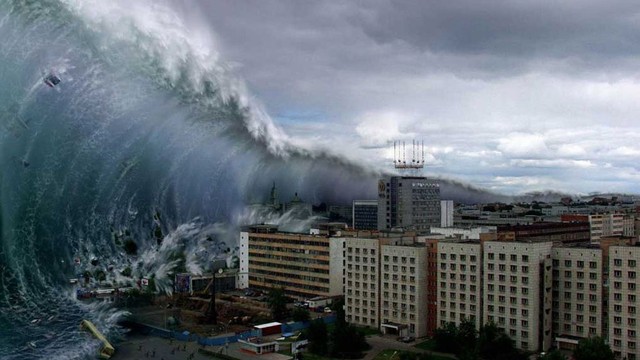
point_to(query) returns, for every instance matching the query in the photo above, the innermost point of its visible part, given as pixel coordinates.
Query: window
(525, 258)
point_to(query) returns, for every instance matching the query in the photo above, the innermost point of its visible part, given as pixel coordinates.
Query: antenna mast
(417, 159)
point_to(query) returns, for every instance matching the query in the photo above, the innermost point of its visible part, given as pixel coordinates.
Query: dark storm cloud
(523, 94)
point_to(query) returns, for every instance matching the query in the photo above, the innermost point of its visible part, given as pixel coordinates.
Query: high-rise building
(623, 299)
(362, 287)
(446, 213)
(404, 289)
(517, 293)
(577, 294)
(460, 282)
(365, 214)
(411, 203)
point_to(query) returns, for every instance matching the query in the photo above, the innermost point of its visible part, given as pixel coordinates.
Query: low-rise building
(299, 263)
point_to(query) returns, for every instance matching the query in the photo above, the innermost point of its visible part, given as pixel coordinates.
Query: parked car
(327, 309)
(406, 339)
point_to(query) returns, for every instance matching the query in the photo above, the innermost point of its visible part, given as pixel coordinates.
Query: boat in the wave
(52, 80)
(106, 350)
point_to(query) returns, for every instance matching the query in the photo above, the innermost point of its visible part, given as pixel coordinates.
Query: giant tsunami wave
(147, 120)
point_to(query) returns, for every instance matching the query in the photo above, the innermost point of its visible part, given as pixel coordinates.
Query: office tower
(446, 213)
(365, 214)
(411, 203)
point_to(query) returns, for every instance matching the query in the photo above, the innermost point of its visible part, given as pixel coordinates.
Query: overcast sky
(511, 96)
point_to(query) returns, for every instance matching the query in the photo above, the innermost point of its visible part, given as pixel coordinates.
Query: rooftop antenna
(400, 156)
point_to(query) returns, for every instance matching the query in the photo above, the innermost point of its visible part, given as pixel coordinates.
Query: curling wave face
(144, 121)
(146, 130)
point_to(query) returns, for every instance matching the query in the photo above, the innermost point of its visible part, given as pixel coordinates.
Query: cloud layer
(512, 96)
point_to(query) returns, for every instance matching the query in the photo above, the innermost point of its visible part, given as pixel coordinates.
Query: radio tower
(400, 155)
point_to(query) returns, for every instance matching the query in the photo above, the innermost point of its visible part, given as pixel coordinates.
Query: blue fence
(219, 341)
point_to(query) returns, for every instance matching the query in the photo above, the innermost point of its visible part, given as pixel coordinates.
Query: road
(379, 343)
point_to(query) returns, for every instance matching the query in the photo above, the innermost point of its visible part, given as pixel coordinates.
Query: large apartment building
(623, 301)
(517, 293)
(408, 202)
(304, 265)
(386, 284)
(362, 288)
(577, 294)
(404, 289)
(459, 292)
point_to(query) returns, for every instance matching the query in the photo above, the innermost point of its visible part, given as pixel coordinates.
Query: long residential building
(304, 265)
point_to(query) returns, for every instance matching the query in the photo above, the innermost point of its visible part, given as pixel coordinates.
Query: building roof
(267, 325)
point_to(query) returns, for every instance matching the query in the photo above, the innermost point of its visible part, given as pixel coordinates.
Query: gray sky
(507, 95)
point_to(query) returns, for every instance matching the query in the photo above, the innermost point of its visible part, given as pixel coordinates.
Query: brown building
(432, 286)
(571, 232)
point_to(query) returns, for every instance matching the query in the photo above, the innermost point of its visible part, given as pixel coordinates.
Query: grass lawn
(427, 345)
(367, 331)
(393, 354)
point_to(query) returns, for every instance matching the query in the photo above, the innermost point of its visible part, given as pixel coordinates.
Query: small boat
(52, 80)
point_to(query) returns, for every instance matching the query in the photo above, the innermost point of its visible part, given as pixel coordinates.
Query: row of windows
(357, 284)
(263, 248)
(403, 259)
(297, 258)
(579, 307)
(453, 257)
(512, 268)
(364, 251)
(513, 279)
(365, 276)
(630, 262)
(579, 274)
(512, 257)
(579, 263)
(454, 286)
(463, 267)
(364, 259)
(286, 267)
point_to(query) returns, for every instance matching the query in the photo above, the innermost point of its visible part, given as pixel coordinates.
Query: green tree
(552, 355)
(446, 338)
(347, 341)
(593, 349)
(300, 314)
(278, 304)
(493, 344)
(318, 337)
